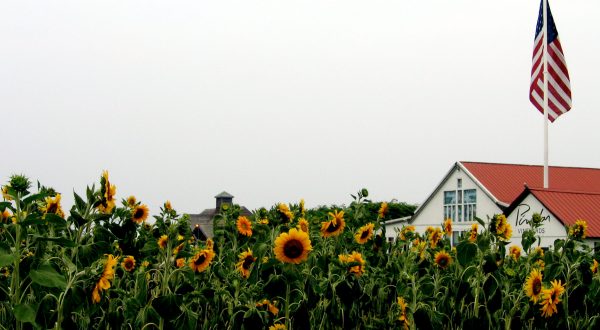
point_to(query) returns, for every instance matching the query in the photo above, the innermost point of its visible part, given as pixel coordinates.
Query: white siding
(432, 213)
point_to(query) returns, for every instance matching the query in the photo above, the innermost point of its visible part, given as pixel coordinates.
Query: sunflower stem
(16, 280)
(287, 306)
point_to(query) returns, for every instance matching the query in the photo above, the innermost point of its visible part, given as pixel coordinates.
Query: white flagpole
(545, 54)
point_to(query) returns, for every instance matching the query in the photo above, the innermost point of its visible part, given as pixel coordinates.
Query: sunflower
(448, 226)
(201, 260)
(244, 226)
(107, 275)
(178, 249)
(357, 266)
(551, 298)
(5, 193)
(128, 263)
(270, 306)
(434, 236)
(501, 227)
(533, 285)
(406, 232)
(578, 230)
(168, 206)
(403, 318)
(53, 206)
(285, 212)
(538, 252)
(209, 244)
(292, 247)
(278, 326)
(180, 262)
(145, 263)
(364, 233)
(443, 259)
(419, 247)
(263, 221)
(131, 201)
(5, 215)
(335, 226)
(301, 205)
(108, 194)
(515, 252)
(594, 267)
(382, 210)
(162, 241)
(303, 225)
(473, 233)
(140, 213)
(245, 263)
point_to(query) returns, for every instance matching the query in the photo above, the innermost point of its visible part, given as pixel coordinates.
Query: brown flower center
(537, 286)
(293, 249)
(332, 228)
(364, 234)
(248, 262)
(52, 207)
(128, 264)
(138, 214)
(201, 258)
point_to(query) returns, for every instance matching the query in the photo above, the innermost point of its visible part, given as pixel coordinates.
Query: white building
(478, 189)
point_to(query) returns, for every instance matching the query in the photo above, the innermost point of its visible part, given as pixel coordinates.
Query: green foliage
(98, 267)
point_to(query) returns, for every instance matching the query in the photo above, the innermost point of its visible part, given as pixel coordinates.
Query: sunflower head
(246, 260)
(435, 236)
(334, 226)
(303, 225)
(180, 262)
(5, 194)
(383, 209)
(201, 260)
(128, 263)
(355, 261)
(131, 201)
(292, 247)
(168, 206)
(448, 226)
(443, 259)
(473, 233)
(515, 252)
(108, 192)
(551, 298)
(364, 233)
(594, 267)
(140, 213)
(162, 241)
(285, 213)
(578, 230)
(533, 285)
(302, 209)
(278, 326)
(53, 206)
(402, 317)
(270, 306)
(244, 226)
(5, 215)
(407, 232)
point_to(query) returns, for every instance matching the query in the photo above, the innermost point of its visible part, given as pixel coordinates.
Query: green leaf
(480, 221)
(47, 276)
(6, 259)
(168, 306)
(55, 220)
(79, 202)
(58, 240)
(35, 197)
(466, 252)
(25, 313)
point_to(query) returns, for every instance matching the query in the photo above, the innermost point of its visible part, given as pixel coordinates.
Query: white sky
(285, 99)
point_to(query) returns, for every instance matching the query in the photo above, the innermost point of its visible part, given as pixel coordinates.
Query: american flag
(559, 86)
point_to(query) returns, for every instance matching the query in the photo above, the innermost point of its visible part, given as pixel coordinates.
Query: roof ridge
(528, 165)
(565, 191)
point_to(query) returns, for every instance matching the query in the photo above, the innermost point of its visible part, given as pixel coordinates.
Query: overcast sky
(273, 101)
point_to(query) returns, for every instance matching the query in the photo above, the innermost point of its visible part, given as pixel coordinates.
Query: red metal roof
(570, 206)
(507, 181)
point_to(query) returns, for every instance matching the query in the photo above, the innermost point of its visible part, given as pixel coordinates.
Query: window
(460, 205)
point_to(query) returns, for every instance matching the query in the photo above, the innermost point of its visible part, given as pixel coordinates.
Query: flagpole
(545, 58)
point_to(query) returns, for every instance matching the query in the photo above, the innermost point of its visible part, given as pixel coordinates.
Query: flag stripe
(559, 84)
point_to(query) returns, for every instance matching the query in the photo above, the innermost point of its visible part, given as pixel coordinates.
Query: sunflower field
(106, 264)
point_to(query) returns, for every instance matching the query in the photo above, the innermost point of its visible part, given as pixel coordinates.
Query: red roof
(570, 206)
(507, 181)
